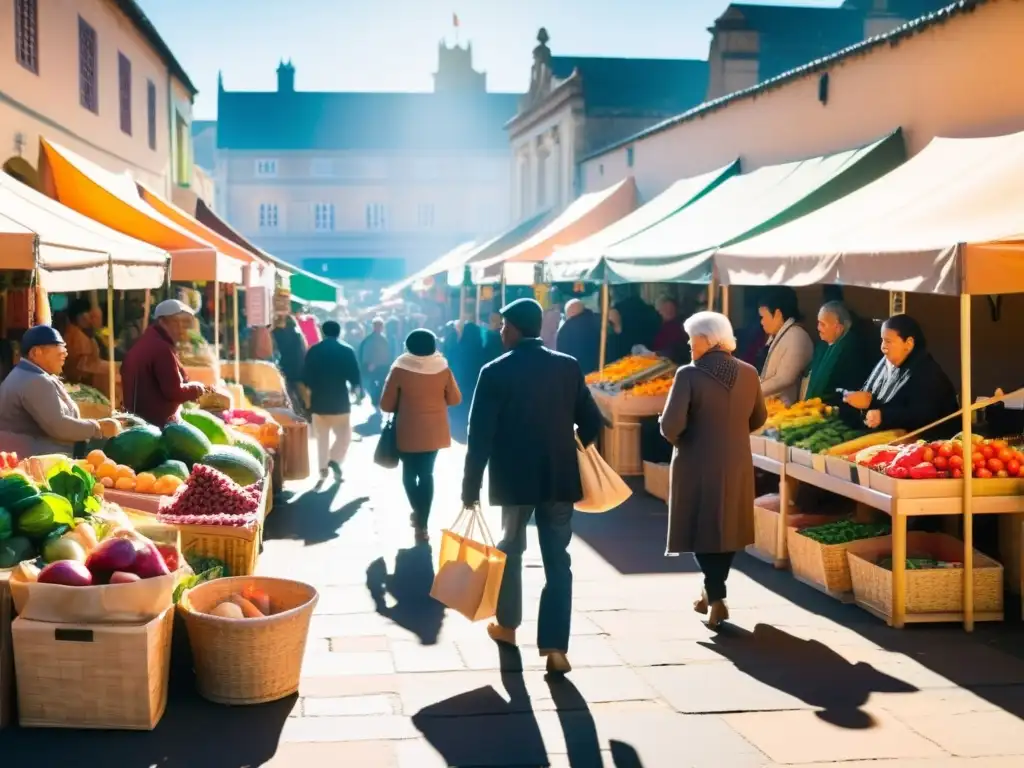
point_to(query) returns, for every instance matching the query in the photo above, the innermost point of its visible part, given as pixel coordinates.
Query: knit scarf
(823, 365)
(886, 380)
(720, 366)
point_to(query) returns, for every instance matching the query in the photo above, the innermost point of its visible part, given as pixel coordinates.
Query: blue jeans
(418, 479)
(554, 528)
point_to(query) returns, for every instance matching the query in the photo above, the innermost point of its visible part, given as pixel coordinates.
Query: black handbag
(386, 453)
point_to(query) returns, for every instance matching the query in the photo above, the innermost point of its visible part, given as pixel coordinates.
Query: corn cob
(866, 441)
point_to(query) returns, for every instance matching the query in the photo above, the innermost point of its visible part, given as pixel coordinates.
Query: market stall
(947, 222)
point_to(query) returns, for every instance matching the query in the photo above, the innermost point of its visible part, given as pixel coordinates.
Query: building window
(266, 168)
(88, 80)
(322, 167)
(323, 217)
(124, 92)
(151, 112)
(425, 215)
(268, 215)
(26, 37)
(629, 157)
(375, 216)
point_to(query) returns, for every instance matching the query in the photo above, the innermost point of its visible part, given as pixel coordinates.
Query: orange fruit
(166, 485)
(107, 469)
(124, 483)
(124, 470)
(96, 457)
(107, 482)
(144, 482)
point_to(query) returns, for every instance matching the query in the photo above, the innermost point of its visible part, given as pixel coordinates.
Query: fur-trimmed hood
(431, 364)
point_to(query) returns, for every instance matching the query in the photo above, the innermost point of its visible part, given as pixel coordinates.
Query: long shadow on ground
(311, 516)
(404, 596)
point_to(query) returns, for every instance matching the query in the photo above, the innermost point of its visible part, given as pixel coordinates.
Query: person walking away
(330, 371)
(374, 359)
(580, 336)
(789, 346)
(37, 415)
(552, 320)
(523, 424)
(419, 390)
(713, 406)
(493, 347)
(153, 381)
(291, 355)
(470, 358)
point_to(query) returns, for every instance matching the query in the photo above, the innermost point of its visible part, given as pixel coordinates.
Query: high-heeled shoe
(701, 605)
(719, 613)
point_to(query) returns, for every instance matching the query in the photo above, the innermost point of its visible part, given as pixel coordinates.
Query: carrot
(257, 597)
(249, 610)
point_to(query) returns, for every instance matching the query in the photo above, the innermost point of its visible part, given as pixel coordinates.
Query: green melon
(235, 463)
(209, 425)
(138, 447)
(172, 467)
(183, 442)
(252, 447)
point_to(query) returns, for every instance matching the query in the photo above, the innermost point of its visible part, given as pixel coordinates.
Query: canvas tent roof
(950, 220)
(498, 244)
(456, 257)
(73, 252)
(590, 250)
(113, 200)
(679, 249)
(585, 216)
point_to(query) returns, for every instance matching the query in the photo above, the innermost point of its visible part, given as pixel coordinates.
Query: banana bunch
(801, 414)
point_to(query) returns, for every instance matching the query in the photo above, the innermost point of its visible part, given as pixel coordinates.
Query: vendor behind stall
(83, 351)
(843, 359)
(154, 381)
(907, 389)
(37, 415)
(789, 346)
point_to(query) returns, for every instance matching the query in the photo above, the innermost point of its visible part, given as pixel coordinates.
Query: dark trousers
(554, 529)
(715, 566)
(418, 479)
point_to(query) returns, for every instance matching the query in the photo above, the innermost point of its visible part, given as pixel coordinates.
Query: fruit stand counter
(902, 499)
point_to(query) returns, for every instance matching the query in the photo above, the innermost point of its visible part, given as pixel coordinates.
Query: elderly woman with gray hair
(713, 406)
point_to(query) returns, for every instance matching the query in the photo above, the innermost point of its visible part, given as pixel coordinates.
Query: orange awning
(113, 199)
(588, 214)
(257, 267)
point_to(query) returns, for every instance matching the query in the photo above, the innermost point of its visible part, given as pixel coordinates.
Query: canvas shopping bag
(603, 489)
(469, 567)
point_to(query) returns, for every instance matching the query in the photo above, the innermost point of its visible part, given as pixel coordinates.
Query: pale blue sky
(391, 45)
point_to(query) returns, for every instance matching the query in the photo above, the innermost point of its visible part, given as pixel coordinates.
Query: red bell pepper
(923, 471)
(899, 473)
(910, 456)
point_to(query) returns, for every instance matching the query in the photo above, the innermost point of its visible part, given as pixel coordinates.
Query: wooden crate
(620, 447)
(929, 590)
(773, 449)
(848, 471)
(656, 478)
(102, 676)
(6, 652)
(757, 445)
(807, 459)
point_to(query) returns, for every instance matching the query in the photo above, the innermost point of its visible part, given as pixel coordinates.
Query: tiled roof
(300, 120)
(131, 9)
(636, 86)
(859, 49)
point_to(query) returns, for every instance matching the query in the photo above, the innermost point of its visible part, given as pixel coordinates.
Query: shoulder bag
(386, 453)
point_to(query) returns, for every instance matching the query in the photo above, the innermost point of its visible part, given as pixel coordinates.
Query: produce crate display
(767, 544)
(620, 447)
(934, 575)
(775, 450)
(817, 554)
(64, 673)
(6, 652)
(656, 477)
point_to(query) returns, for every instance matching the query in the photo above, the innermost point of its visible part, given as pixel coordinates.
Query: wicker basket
(656, 479)
(248, 661)
(766, 524)
(238, 548)
(929, 590)
(620, 447)
(103, 676)
(824, 565)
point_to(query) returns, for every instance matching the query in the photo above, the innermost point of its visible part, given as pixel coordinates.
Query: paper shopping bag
(603, 489)
(469, 572)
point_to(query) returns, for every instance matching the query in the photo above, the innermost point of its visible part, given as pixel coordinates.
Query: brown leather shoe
(701, 606)
(719, 613)
(558, 662)
(500, 634)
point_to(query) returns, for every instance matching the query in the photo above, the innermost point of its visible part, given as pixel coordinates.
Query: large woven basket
(248, 661)
(766, 524)
(824, 565)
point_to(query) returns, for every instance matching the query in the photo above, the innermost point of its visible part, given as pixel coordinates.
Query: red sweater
(153, 382)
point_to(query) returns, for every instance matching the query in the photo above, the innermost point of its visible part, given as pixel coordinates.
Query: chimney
(285, 77)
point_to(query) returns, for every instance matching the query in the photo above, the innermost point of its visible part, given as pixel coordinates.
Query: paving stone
(705, 688)
(334, 754)
(651, 625)
(348, 685)
(355, 728)
(941, 701)
(484, 741)
(351, 625)
(637, 652)
(344, 600)
(332, 664)
(359, 644)
(340, 706)
(972, 734)
(804, 737)
(414, 657)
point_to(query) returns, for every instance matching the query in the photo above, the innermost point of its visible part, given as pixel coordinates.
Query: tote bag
(386, 453)
(603, 489)
(469, 567)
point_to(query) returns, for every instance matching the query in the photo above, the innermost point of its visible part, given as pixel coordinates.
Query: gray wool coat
(713, 406)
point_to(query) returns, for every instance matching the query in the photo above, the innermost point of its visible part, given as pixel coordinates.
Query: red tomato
(940, 462)
(958, 473)
(1002, 473)
(956, 461)
(928, 454)
(1005, 455)
(995, 465)
(958, 448)
(988, 452)
(1018, 456)
(1013, 467)
(999, 444)
(945, 450)
(978, 457)
(983, 473)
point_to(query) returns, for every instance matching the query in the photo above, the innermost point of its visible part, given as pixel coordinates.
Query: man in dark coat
(522, 424)
(329, 370)
(580, 336)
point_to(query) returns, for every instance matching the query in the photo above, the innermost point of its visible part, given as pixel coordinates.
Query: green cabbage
(6, 524)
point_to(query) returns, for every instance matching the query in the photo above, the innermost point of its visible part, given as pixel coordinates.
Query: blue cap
(40, 336)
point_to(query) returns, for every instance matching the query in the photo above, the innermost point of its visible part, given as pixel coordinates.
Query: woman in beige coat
(419, 390)
(713, 406)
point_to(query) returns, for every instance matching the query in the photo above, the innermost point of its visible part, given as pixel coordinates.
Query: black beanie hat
(421, 343)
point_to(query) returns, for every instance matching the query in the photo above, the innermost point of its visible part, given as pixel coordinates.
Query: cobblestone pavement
(392, 681)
